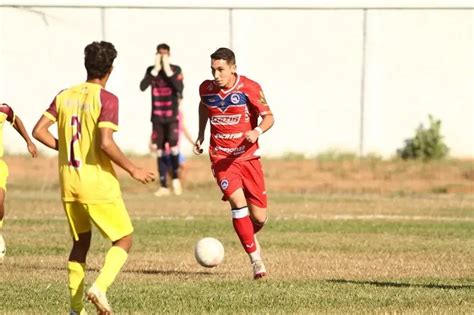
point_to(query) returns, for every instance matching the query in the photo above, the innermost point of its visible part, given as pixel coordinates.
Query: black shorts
(166, 132)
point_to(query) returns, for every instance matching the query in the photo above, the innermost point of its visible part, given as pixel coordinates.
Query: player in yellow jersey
(7, 114)
(86, 116)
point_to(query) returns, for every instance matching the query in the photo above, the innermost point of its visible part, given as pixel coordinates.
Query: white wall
(309, 63)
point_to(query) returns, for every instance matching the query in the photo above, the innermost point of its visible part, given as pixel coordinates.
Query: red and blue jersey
(232, 113)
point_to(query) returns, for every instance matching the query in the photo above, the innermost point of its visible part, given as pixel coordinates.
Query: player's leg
(80, 229)
(113, 221)
(172, 134)
(3, 248)
(162, 165)
(3, 189)
(242, 223)
(229, 178)
(255, 194)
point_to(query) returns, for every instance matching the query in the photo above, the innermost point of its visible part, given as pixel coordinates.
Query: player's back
(86, 172)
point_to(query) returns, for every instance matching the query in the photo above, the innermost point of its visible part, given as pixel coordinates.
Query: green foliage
(427, 144)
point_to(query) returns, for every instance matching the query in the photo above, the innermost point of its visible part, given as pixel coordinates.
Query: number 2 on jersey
(76, 133)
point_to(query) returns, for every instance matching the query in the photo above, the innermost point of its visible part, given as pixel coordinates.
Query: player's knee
(260, 218)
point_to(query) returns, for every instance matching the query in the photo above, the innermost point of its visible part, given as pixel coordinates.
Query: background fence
(349, 75)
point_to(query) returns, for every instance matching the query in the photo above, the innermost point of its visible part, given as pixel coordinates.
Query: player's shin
(175, 164)
(163, 170)
(244, 229)
(114, 261)
(76, 274)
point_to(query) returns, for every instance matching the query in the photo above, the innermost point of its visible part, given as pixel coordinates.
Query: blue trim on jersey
(233, 99)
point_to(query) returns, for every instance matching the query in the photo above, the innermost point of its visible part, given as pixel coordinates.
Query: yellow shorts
(111, 219)
(3, 175)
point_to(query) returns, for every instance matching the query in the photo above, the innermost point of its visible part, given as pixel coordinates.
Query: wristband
(260, 131)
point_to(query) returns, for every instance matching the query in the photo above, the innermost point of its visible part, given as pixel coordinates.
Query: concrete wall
(321, 70)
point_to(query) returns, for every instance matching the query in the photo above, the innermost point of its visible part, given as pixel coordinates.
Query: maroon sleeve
(52, 110)
(7, 110)
(109, 109)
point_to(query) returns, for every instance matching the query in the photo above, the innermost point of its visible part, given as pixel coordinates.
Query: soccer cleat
(162, 191)
(82, 312)
(3, 248)
(176, 184)
(259, 270)
(99, 299)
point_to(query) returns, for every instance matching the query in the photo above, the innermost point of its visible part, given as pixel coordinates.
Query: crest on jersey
(235, 98)
(224, 184)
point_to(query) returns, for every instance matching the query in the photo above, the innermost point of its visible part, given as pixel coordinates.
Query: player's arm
(259, 104)
(146, 81)
(42, 134)
(203, 117)
(18, 125)
(266, 123)
(108, 145)
(173, 76)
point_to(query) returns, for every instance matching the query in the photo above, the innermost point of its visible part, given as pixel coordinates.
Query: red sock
(244, 228)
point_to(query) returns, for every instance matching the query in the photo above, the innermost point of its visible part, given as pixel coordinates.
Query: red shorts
(246, 174)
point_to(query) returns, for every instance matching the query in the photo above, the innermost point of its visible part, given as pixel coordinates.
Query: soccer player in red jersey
(86, 116)
(233, 103)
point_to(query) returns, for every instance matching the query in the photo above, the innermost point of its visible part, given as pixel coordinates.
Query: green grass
(326, 252)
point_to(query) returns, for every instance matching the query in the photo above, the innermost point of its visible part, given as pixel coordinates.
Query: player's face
(163, 51)
(223, 73)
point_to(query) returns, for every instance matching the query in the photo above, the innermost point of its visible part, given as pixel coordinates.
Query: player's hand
(153, 147)
(32, 149)
(197, 149)
(252, 135)
(143, 175)
(157, 68)
(166, 65)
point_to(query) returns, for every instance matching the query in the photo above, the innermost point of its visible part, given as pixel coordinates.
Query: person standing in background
(166, 81)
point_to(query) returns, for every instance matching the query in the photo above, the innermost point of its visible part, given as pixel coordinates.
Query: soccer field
(343, 236)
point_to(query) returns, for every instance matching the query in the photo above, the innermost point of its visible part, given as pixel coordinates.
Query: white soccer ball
(209, 252)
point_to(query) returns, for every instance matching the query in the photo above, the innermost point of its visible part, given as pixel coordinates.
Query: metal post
(231, 29)
(102, 19)
(362, 85)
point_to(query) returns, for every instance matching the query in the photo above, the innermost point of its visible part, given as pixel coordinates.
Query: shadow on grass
(166, 272)
(404, 285)
(139, 271)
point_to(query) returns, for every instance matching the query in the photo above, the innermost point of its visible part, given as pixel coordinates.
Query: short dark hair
(225, 54)
(163, 46)
(98, 59)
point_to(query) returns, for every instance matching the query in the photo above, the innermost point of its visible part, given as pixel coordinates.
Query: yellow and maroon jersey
(85, 171)
(6, 114)
(233, 112)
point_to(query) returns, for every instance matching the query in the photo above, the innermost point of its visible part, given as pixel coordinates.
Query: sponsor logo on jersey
(233, 151)
(225, 119)
(235, 98)
(224, 184)
(228, 136)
